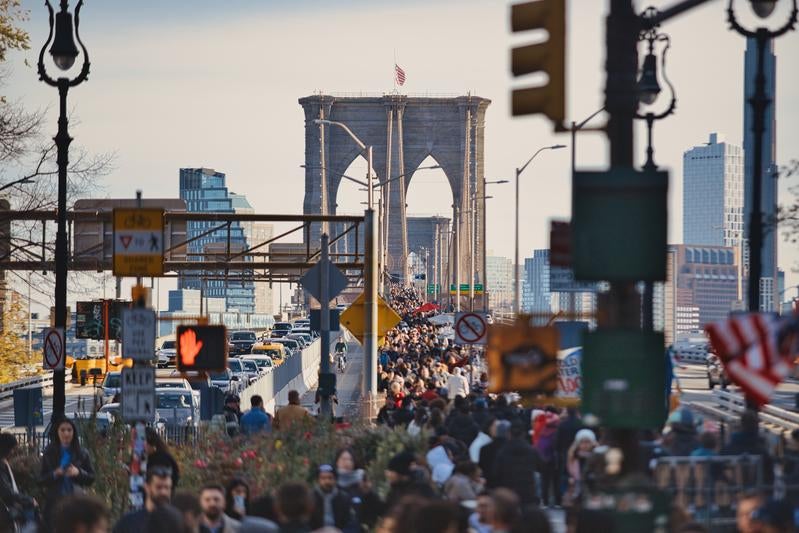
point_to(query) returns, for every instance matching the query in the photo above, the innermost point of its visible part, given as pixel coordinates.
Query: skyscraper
(536, 297)
(256, 233)
(500, 282)
(713, 194)
(204, 190)
(768, 280)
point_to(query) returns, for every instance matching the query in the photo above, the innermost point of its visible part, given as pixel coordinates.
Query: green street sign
(431, 288)
(624, 377)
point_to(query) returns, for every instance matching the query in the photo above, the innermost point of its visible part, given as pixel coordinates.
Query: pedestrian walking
(212, 503)
(232, 412)
(294, 507)
(15, 508)
(515, 466)
(80, 513)
(576, 459)
(157, 492)
(158, 454)
(66, 468)
(291, 414)
(189, 505)
(237, 499)
(332, 506)
(256, 420)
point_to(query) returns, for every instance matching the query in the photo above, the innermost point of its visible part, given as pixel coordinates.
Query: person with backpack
(545, 442)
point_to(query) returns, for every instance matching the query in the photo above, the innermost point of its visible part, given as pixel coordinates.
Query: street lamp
(760, 102)
(64, 53)
(371, 272)
(517, 296)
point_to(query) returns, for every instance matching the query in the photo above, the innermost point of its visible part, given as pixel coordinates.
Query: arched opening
(428, 201)
(350, 199)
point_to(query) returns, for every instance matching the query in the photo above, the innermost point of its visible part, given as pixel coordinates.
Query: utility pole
(370, 289)
(324, 325)
(457, 258)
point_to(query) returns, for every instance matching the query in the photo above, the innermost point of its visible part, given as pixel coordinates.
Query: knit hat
(585, 434)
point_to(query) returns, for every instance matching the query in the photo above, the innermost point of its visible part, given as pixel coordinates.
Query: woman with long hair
(237, 499)
(66, 467)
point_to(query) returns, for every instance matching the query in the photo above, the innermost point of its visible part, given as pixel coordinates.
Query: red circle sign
(471, 327)
(53, 349)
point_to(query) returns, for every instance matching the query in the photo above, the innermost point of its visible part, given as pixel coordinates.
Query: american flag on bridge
(757, 350)
(399, 74)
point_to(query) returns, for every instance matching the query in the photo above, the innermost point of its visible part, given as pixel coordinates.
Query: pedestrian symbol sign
(138, 394)
(138, 242)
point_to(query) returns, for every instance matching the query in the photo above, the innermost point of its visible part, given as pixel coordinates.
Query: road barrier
(45, 380)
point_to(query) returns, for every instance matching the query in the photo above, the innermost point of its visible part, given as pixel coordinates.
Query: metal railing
(45, 380)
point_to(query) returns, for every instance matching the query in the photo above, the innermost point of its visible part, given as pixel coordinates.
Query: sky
(189, 83)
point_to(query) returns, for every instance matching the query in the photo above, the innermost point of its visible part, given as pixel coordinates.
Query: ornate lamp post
(760, 102)
(64, 53)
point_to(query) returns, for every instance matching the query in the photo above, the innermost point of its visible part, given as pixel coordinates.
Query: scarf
(66, 483)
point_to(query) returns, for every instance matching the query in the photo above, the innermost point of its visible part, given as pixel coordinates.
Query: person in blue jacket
(256, 419)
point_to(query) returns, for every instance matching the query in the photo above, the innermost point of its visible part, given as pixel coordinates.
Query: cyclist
(341, 348)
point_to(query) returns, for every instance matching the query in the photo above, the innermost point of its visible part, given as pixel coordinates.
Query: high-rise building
(713, 194)
(256, 233)
(500, 282)
(204, 190)
(536, 297)
(768, 284)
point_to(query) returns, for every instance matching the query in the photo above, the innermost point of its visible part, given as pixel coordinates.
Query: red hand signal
(189, 347)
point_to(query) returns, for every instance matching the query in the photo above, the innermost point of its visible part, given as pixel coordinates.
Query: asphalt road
(78, 399)
(348, 384)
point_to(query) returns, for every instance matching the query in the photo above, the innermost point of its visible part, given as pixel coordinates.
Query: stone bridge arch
(403, 131)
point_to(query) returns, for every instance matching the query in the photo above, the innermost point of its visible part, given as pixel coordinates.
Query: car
(242, 342)
(716, 374)
(251, 369)
(102, 421)
(113, 410)
(264, 362)
(237, 369)
(489, 319)
(281, 329)
(112, 385)
(273, 349)
(305, 331)
(176, 407)
(302, 323)
(302, 339)
(166, 354)
(225, 381)
(291, 346)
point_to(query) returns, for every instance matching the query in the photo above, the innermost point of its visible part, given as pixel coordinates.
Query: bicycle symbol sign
(470, 328)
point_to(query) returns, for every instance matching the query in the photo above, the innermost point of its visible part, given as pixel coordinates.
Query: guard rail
(45, 380)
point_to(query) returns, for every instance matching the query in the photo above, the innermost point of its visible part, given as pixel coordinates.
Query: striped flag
(755, 349)
(399, 74)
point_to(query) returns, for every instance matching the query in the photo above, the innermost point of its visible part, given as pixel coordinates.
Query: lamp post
(371, 271)
(517, 297)
(64, 53)
(760, 103)
(473, 247)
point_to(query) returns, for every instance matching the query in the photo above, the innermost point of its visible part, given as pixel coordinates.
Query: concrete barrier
(298, 372)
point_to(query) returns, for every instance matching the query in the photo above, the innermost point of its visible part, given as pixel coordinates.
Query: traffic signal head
(202, 348)
(548, 57)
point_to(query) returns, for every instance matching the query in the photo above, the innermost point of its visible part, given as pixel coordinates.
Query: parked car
(113, 410)
(112, 385)
(281, 329)
(166, 354)
(715, 372)
(264, 362)
(242, 342)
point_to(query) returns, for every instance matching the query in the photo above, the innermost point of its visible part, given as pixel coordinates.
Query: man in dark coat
(460, 424)
(515, 466)
(332, 506)
(488, 453)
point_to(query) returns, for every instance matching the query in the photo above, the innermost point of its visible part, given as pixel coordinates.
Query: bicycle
(340, 362)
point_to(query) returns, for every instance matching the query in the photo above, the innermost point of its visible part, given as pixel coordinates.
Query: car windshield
(171, 401)
(262, 363)
(168, 345)
(234, 365)
(243, 336)
(250, 366)
(112, 381)
(219, 376)
(282, 326)
(171, 384)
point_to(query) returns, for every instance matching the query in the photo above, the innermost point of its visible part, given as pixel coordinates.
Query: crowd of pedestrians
(491, 466)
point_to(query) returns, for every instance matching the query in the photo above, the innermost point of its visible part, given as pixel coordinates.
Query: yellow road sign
(138, 242)
(522, 358)
(353, 318)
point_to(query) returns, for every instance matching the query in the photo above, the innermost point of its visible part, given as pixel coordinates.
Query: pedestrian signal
(202, 348)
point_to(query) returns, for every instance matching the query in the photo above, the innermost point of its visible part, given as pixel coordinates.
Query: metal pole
(62, 140)
(324, 325)
(30, 318)
(457, 259)
(472, 249)
(435, 265)
(370, 285)
(517, 296)
(759, 102)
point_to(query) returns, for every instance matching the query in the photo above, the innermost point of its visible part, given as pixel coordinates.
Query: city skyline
(140, 100)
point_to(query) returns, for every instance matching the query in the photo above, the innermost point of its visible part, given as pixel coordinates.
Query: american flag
(399, 74)
(755, 349)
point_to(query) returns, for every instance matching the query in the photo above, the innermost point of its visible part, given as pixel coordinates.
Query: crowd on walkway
(491, 465)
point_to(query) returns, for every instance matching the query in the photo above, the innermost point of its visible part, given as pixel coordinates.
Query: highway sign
(478, 288)
(138, 334)
(353, 318)
(432, 288)
(470, 328)
(312, 281)
(202, 348)
(138, 393)
(138, 242)
(522, 358)
(54, 349)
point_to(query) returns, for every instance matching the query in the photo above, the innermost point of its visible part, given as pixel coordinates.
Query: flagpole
(394, 71)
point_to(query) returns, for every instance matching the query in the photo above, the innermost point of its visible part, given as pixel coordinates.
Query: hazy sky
(211, 83)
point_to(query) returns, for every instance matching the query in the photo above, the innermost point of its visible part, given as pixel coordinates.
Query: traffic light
(202, 348)
(548, 56)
